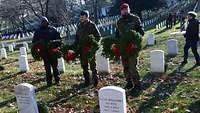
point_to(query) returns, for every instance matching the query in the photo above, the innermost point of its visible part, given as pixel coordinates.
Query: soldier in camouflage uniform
(86, 28)
(128, 22)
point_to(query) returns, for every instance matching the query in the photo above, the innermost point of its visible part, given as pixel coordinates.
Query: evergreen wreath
(42, 48)
(88, 46)
(127, 45)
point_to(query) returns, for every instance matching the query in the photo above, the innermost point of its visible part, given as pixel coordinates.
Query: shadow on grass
(195, 107)
(64, 96)
(190, 69)
(13, 53)
(147, 46)
(163, 91)
(5, 103)
(10, 76)
(162, 31)
(1, 68)
(10, 61)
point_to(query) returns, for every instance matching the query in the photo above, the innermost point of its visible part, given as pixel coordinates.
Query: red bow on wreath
(54, 51)
(116, 51)
(131, 48)
(70, 55)
(87, 49)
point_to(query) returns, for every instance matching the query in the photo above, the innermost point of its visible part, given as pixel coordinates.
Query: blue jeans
(193, 46)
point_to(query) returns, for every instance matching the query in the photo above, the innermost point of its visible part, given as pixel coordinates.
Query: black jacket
(192, 31)
(48, 34)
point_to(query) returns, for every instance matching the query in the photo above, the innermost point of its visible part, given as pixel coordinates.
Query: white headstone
(14, 44)
(2, 45)
(112, 99)
(107, 27)
(26, 101)
(103, 65)
(111, 30)
(10, 47)
(3, 53)
(23, 63)
(157, 61)
(104, 29)
(23, 51)
(157, 27)
(161, 24)
(151, 39)
(25, 44)
(61, 65)
(172, 47)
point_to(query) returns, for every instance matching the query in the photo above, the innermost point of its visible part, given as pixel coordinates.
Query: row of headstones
(110, 25)
(161, 25)
(103, 23)
(150, 22)
(112, 99)
(13, 45)
(17, 36)
(157, 60)
(23, 61)
(172, 44)
(102, 62)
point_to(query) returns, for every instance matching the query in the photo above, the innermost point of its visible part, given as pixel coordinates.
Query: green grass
(176, 91)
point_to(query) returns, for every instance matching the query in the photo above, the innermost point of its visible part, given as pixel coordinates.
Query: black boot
(49, 84)
(197, 64)
(87, 81)
(57, 83)
(184, 62)
(129, 85)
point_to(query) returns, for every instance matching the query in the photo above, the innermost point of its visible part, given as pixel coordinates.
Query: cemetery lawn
(177, 90)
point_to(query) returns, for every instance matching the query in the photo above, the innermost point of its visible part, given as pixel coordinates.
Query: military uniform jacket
(87, 29)
(128, 22)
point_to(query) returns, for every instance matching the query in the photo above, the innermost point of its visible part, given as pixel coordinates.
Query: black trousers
(51, 63)
(193, 46)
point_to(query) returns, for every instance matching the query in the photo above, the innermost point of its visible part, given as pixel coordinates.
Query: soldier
(192, 38)
(48, 34)
(128, 22)
(85, 28)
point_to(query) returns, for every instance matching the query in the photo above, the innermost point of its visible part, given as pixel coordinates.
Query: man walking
(191, 38)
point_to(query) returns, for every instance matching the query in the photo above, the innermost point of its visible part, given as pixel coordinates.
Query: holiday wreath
(127, 45)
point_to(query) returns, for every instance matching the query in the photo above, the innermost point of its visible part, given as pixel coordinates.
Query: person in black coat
(192, 38)
(50, 35)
